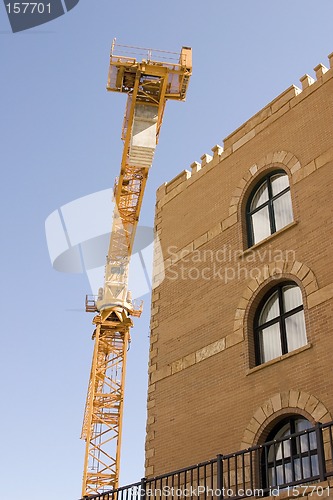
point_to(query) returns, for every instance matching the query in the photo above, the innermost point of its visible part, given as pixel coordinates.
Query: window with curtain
(288, 459)
(279, 325)
(269, 207)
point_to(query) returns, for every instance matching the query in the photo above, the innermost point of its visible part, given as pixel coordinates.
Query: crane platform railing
(129, 52)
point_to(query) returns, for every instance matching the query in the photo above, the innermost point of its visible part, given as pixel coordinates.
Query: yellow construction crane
(149, 83)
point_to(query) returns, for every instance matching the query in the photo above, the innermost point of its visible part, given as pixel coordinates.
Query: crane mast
(148, 84)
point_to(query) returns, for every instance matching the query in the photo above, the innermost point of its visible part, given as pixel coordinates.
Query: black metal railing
(302, 458)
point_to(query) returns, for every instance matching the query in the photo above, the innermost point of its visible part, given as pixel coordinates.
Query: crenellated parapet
(287, 100)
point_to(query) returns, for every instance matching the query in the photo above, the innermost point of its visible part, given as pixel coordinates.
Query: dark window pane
(279, 182)
(310, 439)
(283, 212)
(295, 331)
(292, 297)
(259, 197)
(270, 310)
(260, 224)
(270, 343)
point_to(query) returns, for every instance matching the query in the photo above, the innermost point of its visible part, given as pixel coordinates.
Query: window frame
(269, 203)
(266, 464)
(280, 319)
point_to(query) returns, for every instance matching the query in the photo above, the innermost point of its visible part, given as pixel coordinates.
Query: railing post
(219, 482)
(320, 451)
(143, 489)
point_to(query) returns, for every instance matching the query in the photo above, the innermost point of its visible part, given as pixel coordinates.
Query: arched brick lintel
(293, 401)
(287, 160)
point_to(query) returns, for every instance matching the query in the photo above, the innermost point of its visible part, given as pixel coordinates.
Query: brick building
(241, 331)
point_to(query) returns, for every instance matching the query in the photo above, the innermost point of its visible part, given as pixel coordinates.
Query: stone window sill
(268, 239)
(280, 358)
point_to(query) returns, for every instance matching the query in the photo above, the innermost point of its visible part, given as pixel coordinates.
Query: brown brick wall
(201, 399)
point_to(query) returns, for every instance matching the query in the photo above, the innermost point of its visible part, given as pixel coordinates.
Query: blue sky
(60, 140)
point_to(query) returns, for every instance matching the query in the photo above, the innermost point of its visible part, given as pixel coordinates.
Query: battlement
(288, 99)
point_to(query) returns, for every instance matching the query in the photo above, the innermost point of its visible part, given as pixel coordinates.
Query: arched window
(279, 325)
(288, 459)
(269, 207)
